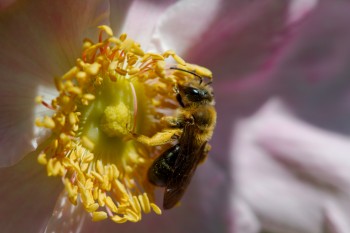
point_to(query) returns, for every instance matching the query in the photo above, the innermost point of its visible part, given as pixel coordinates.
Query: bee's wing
(185, 166)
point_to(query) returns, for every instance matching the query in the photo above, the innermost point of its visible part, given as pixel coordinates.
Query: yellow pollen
(115, 120)
(114, 90)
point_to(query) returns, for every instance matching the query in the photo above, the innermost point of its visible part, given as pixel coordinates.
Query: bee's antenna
(208, 83)
(190, 72)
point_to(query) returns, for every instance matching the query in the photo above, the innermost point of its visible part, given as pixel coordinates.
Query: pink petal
(27, 196)
(310, 151)
(244, 219)
(336, 220)
(183, 24)
(276, 197)
(282, 193)
(66, 217)
(119, 11)
(6, 3)
(39, 40)
(137, 18)
(245, 46)
(238, 42)
(312, 75)
(299, 8)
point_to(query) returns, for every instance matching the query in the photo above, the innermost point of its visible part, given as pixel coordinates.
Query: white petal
(317, 153)
(282, 202)
(337, 216)
(299, 8)
(244, 219)
(141, 19)
(183, 24)
(294, 176)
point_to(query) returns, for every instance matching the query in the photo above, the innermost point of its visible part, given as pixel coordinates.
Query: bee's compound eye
(194, 91)
(195, 94)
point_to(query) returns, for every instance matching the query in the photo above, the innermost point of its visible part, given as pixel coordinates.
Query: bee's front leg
(173, 122)
(179, 121)
(160, 138)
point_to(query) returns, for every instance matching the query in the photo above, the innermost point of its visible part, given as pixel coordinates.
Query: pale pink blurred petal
(244, 218)
(246, 44)
(298, 9)
(66, 217)
(118, 12)
(140, 19)
(284, 194)
(27, 196)
(259, 179)
(239, 41)
(313, 152)
(39, 40)
(313, 74)
(309, 69)
(336, 217)
(183, 25)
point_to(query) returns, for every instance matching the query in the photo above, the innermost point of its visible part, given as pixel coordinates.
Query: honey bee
(192, 127)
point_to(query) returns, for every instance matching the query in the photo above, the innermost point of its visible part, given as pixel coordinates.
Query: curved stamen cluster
(113, 90)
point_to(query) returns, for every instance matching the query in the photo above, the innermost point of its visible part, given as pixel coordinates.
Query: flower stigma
(114, 90)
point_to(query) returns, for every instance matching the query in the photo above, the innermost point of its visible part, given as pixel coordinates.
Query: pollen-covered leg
(160, 138)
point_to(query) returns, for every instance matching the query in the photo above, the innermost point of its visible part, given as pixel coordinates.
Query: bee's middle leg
(178, 122)
(160, 138)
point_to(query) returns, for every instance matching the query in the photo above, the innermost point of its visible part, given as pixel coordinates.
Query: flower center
(115, 89)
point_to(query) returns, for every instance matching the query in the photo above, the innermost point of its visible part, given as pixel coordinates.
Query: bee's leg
(178, 122)
(204, 155)
(160, 138)
(187, 118)
(173, 122)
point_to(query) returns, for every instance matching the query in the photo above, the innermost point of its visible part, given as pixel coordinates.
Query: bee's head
(194, 93)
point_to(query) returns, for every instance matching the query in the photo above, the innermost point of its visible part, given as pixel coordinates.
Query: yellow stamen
(144, 203)
(200, 70)
(179, 60)
(119, 219)
(156, 209)
(106, 29)
(114, 90)
(111, 205)
(98, 216)
(87, 143)
(42, 159)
